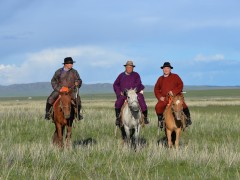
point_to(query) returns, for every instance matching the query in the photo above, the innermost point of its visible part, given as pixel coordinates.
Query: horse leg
(60, 136)
(173, 136)
(169, 137)
(127, 130)
(178, 132)
(55, 137)
(136, 136)
(68, 136)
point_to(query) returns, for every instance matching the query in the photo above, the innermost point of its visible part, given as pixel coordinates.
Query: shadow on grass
(163, 141)
(84, 142)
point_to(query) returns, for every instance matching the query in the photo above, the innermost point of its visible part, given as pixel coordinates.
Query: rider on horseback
(65, 77)
(168, 84)
(127, 80)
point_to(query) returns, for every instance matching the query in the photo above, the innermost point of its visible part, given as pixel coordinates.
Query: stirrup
(47, 116)
(117, 123)
(146, 121)
(188, 122)
(80, 117)
(161, 125)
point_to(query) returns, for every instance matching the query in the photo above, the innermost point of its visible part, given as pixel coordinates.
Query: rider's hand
(162, 98)
(76, 84)
(170, 93)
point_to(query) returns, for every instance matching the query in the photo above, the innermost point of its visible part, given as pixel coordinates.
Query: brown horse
(63, 115)
(175, 119)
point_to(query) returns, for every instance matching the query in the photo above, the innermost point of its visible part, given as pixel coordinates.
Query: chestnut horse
(175, 120)
(63, 115)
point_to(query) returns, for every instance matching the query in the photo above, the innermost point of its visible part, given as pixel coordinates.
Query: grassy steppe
(209, 148)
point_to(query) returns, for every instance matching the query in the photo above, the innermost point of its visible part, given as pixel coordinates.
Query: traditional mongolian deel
(128, 81)
(163, 86)
(63, 78)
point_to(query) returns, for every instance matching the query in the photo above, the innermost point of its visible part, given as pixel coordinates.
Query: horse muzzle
(67, 116)
(178, 116)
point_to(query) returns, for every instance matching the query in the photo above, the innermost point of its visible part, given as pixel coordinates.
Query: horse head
(132, 99)
(65, 103)
(177, 106)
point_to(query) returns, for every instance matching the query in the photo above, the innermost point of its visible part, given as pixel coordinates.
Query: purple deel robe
(128, 81)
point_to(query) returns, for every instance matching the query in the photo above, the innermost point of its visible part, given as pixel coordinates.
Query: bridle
(130, 105)
(171, 103)
(62, 106)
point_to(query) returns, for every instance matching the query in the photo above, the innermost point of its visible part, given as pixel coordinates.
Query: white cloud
(211, 58)
(40, 66)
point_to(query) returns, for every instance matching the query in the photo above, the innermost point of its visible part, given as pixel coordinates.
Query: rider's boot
(160, 120)
(48, 108)
(145, 113)
(188, 120)
(80, 116)
(117, 111)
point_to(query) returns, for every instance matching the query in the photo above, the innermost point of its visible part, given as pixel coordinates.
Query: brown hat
(129, 63)
(166, 64)
(68, 60)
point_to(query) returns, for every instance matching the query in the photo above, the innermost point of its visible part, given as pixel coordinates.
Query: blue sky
(200, 38)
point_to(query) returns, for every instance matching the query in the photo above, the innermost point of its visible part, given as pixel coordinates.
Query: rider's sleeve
(157, 88)
(179, 85)
(78, 79)
(138, 83)
(117, 86)
(55, 81)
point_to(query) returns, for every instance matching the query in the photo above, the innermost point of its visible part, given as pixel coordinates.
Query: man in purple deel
(127, 80)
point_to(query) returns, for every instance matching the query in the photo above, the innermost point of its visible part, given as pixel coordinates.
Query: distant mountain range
(45, 88)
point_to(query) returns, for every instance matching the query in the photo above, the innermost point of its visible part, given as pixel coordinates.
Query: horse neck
(134, 114)
(168, 113)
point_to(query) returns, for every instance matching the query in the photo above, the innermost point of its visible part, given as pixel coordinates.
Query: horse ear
(125, 92)
(135, 89)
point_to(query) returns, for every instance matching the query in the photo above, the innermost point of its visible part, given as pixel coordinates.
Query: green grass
(209, 149)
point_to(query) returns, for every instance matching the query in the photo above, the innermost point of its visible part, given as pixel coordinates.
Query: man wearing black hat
(64, 77)
(168, 83)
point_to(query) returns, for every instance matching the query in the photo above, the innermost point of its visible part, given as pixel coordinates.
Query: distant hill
(45, 88)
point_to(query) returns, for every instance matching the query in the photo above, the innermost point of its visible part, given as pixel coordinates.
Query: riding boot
(117, 111)
(145, 113)
(80, 116)
(187, 113)
(160, 120)
(48, 108)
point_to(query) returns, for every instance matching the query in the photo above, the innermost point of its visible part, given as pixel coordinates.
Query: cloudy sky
(200, 38)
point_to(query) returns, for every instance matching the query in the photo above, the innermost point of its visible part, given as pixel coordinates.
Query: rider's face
(129, 69)
(68, 66)
(166, 71)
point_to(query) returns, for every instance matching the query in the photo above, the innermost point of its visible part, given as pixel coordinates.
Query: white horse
(131, 117)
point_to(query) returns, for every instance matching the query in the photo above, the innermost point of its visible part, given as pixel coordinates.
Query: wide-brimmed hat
(68, 60)
(129, 63)
(166, 64)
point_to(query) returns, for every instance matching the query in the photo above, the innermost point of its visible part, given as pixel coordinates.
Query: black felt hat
(68, 60)
(166, 64)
